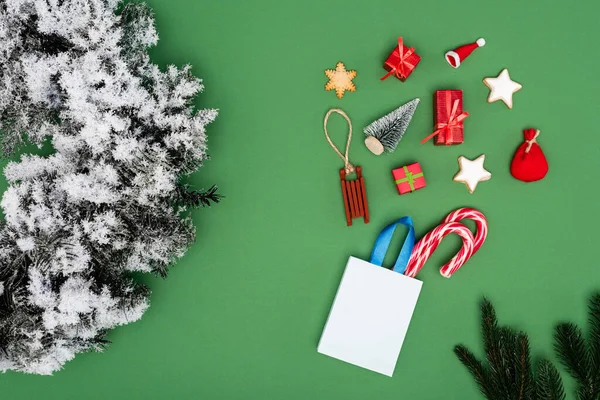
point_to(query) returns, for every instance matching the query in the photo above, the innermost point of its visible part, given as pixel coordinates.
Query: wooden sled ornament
(354, 192)
(355, 196)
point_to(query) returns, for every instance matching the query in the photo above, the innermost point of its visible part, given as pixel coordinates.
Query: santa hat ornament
(457, 56)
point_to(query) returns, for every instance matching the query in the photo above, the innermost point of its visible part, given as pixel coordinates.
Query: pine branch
(105, 204)
(594, 338)
(492, 343)
(523, 371)
(476, 368)
(489, 326)
(581, 358)
(572, 350)
(510, 374)
(134, 14)
(196, 199)
(548, 383)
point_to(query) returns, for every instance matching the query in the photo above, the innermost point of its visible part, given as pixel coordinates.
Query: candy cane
(480, 223)
(427, 245)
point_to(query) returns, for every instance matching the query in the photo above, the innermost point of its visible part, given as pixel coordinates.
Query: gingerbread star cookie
(502, 88)
(472, 172)
(340, 80)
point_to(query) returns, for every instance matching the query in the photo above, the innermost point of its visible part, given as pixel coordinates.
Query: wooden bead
(374, 145)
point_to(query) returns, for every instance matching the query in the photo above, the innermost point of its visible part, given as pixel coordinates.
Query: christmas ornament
(502, 88)
(340, 80)
(472, 172)
(401, 62)
(387, 131)
(509, 373)
(457, 56)
(353, 192)
(108, 202)
(529, 163)
(449, 118)
(451, 224)
(409, 178)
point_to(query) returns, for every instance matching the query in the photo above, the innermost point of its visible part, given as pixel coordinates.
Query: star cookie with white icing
(502, 88)
(472, 172)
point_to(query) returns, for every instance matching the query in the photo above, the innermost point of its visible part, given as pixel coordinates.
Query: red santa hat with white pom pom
(456, 56)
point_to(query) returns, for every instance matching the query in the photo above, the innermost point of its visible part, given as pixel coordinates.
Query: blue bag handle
(383, 242)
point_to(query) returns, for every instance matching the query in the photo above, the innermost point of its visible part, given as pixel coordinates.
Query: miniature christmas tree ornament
(401, 62)
(457, 56)
(353, 191)
(472, 172)
(449, 116)
(529, 163)
(340, 80)
(502, 88)
(385, 133)
(409, 178)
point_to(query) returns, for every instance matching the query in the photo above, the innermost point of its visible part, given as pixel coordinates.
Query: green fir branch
(509, 374)
(475, 367)
(548, 384)
(594, 338)
(572, 350)
(524, 387)
(195, 199)
(581, 357)
(492, 344)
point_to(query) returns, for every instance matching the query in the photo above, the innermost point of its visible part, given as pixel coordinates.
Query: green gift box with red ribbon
(409, 178)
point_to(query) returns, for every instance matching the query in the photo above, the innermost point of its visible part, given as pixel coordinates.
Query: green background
(240, 316)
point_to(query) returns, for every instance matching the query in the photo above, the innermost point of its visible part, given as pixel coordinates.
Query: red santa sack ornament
(529, 163)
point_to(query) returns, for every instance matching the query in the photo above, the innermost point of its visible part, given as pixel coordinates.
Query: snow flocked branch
(109, 200)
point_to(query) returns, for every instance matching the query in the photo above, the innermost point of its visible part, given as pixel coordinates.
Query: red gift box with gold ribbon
(401, 62)
(449, 118)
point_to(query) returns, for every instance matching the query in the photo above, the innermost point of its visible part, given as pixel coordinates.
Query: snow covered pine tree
(109, 200)
(384, 133)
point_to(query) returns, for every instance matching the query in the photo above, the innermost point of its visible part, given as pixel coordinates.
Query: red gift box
(401, 62)
(409, 178)
(449, 118)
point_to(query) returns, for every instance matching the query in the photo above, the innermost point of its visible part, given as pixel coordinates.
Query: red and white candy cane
(481, 224)
(427, 245)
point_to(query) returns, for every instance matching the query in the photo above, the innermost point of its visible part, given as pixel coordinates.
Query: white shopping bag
(372, 308)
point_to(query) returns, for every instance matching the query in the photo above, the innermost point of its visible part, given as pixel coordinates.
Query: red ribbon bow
(453, 120)
(400, 69)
